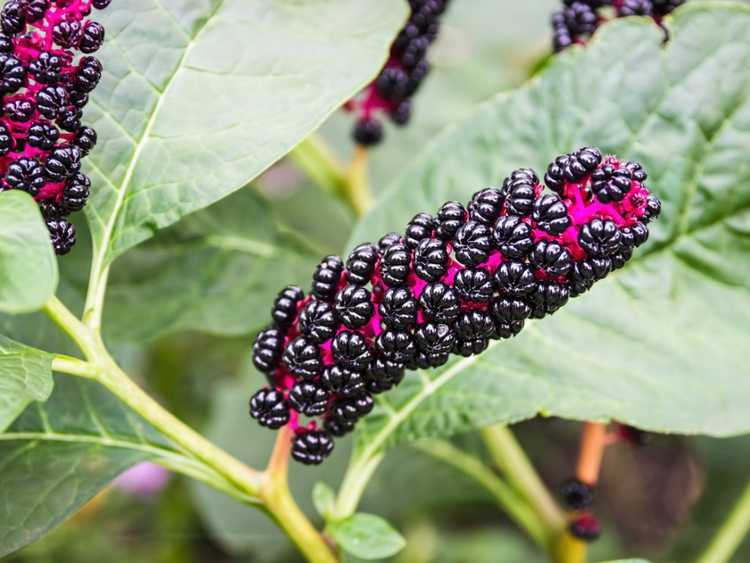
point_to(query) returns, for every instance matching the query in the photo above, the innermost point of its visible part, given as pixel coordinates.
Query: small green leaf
(59, 454)
(28, 268)
(367, 536)
(25, 376)
(323, 498)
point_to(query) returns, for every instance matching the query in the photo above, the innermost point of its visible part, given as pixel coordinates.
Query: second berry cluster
(450, 284)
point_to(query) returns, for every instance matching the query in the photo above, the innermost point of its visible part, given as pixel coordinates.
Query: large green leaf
(217, 271)
(28, 269)
(25, 376)
(366, 536)
(660, 344)
(200, 96)
(59, 454)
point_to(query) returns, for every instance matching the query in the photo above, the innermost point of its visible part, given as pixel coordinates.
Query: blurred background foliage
(649, 493)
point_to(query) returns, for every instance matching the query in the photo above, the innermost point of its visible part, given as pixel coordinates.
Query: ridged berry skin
(311, 447)
(578, 20)
(391, 93)
(45, 86)
(270, 408)
(449, 284)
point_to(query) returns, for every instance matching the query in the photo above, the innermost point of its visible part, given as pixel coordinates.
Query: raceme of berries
(450, 284)
(44, 88)
(392, 91)
(577, 21)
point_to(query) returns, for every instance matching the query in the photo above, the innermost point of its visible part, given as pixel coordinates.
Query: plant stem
(505, 496)
(512, 460)
(282, 508)
(732, 532)
(358, 186)
(314, 157)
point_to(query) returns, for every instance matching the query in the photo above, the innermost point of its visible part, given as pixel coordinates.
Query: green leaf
(200, 97)
(660, 344)
(323, 498)
(58, 455)
(366, 536)
(217, 271)
(28, 268)
(627, 561)
(25, 376)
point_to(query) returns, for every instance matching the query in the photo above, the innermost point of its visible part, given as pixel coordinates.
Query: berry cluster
(450, 284)
(44, 89)
(579, 19)
(392, 91)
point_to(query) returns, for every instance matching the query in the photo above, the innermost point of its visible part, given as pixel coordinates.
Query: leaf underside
(659, 344)
(25, 376)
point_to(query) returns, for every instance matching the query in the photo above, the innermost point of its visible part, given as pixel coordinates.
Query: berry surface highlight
(449, 285)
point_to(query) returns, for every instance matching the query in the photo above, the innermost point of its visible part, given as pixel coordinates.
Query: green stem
(348, 184)
(206, 461)
(512, 461)
(505, 496)
(358, 474)
(731, 533)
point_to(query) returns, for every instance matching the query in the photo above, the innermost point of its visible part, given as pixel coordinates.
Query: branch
(505, 496)
(732, 532)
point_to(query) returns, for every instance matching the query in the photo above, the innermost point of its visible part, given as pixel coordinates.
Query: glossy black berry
(640, 233)
(269, 408)
(88, 75)
(311, 447)
(336, 427)
(610, 184)
(349, 410)
(383, 375)
(43, 135)
(580, 18)
(635, 8)
(439, 303)
(473, 325)
(67, 34)
(354, 306)
(284, 309)
(431, 260)
(63, 162)
(326, 278)
(653, 209)
(6, 140)
(343, 382)
(474, 285)
(351, 351)
(12, 74)
(421, 227)
(19, 110)
(46, 68)
(485, 205)
(507, 329)
(361, 263)
(395, 265)
(25, 174)
(561, 34)
(368, 132)
(401, 114)
(70, 119)
(547, 298)
(317, 321)
(576, 494)
(555, 175)
(450, 217)
(664, 7)
(85, 139)
(398, 309)
(582, 163)
(267, 349)
(75, 193)
(508, 310)
(600, 238)
(515, 279)
(471, 347)
(392, 83)
(396, 346)
(513, 237)
(308, 398)
(388, 240)
(34, 10)
(636, 171)
(12, 18)
(472, 243)
(436, 341)
(550, 214)
(92, 37)
(302, 358)
(100, 4)
(62, 234)
(551, 257)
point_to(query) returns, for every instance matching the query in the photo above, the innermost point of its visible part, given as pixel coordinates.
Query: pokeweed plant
(195, 103)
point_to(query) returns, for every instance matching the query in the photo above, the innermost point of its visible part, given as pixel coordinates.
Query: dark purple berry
(343, 382)
(326, 278)
(311, 447)
(62, 234)
(472, 243)
(485, 205)
(550, 214)
(395, 265)
(398, 309)
(551, 257)
(600, 238)
(302, 358)
(284, 309)
(368, 132)
(92, 38)
(317, 321)
(354, 306)
(515, 279)
(513, 237)
(474, 285)
(450, 218)
(269, 408)
(308, 398)
(421, 227)
(431, 260)
(267, 349)
(351, 351)
(396, 346)
(25, 174)
(361, 263)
